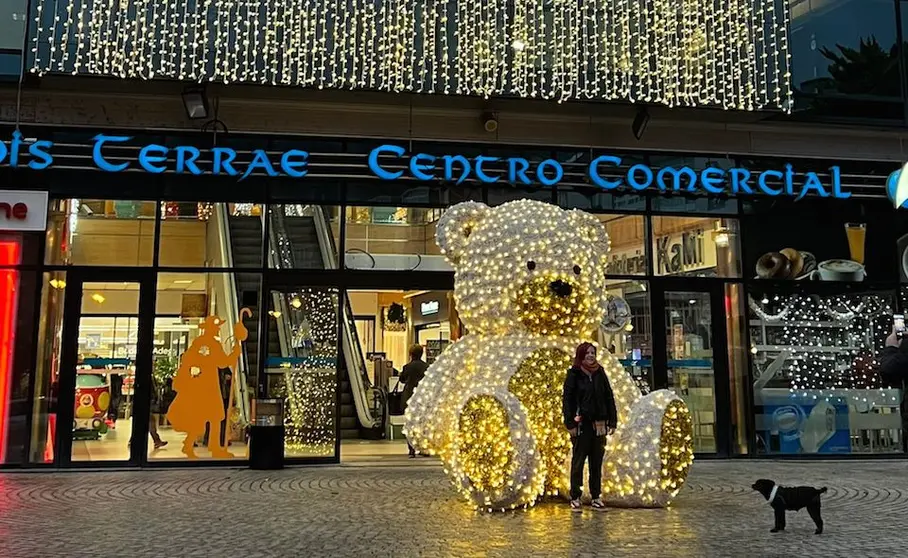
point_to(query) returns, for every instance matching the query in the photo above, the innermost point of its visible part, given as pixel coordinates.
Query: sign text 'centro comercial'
(391, 162)
(639, 177)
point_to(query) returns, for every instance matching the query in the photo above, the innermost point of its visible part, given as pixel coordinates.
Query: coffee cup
(839, 270)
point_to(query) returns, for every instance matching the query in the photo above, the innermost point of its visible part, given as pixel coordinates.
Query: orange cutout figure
(198, 400)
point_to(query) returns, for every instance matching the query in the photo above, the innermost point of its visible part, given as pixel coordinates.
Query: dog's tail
(823, 490)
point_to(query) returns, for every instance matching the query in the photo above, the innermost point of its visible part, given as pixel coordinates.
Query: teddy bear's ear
(455, 227)
(592, 229)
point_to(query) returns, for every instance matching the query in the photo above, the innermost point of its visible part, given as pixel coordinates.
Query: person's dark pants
(587, 446)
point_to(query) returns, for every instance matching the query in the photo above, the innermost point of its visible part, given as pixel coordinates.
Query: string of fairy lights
(729, 53)
(831, 343)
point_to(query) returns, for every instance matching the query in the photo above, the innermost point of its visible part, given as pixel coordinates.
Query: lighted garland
(309, 423)
(828, 353)
(490, 405)
(729, 53)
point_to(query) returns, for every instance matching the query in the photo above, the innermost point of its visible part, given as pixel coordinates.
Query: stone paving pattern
(367, 510)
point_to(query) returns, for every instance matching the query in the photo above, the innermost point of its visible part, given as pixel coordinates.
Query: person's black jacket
(413, 373)
(894, 372)
(590, 396)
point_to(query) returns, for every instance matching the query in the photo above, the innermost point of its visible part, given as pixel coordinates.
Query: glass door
(691, 361)
(106, 368)
(695, 354)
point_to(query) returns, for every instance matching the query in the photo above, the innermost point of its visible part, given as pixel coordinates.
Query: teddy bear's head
(526, 266)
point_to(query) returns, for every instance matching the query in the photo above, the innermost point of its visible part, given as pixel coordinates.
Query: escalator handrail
(225, 248)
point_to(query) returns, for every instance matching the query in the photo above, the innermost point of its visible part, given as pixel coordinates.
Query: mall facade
(283, 244)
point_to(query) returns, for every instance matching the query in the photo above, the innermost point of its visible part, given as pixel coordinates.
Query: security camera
(489, 122)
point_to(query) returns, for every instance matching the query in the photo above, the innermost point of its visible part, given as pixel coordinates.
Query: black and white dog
(794, 498)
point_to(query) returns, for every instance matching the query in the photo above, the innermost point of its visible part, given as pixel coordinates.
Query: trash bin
(266, 439)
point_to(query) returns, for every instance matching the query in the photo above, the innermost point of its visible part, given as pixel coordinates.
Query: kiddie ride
(91, 404)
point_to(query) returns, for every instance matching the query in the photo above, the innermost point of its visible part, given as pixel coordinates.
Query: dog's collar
(772, 495)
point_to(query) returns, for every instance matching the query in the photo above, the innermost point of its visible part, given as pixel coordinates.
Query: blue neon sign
(639, 177)
(391, 162)
(156, 159)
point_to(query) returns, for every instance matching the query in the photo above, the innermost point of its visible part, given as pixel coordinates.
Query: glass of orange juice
(856, 233)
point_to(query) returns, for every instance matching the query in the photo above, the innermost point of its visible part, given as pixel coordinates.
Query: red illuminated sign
(17, 211)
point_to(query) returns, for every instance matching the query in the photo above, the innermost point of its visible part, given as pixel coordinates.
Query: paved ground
(359, 510)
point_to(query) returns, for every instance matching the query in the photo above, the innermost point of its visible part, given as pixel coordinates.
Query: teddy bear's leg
(648, 459)
(493, 458)
(538, 384)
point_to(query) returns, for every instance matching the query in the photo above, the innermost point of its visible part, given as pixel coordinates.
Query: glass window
(696, 246)
(627, 242)
(844, 59)
(205, 364)
(203, 234)
(498, 195)
(47, 370)
(100, 232)
(304, 236)
(817, 386)
(701, 204)
(302, 367)
(398, 238)
(626, 331)
(594, 199)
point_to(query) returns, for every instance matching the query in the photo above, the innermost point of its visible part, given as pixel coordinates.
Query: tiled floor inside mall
(370, 508)
(114, 446)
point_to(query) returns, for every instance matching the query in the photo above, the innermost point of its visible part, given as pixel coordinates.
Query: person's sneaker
(598, 504)
(576, 506)
(159, 445)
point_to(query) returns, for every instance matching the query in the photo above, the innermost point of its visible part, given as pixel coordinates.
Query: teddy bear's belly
(538, 384)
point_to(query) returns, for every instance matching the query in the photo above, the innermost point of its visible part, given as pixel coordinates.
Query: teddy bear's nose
(560, 288)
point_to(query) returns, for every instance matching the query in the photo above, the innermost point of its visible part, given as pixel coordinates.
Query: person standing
(588, 406)
(157, 403)
(894, 370)
(412, 373)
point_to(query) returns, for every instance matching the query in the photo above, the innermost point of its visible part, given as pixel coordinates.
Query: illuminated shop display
(731, 53)
(529, 287)
(817, 388)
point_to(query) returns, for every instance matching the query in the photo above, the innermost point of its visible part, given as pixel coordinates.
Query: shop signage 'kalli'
(187, 159)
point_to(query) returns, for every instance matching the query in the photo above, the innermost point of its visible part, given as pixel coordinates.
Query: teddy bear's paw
(649, 457)
(493, 458)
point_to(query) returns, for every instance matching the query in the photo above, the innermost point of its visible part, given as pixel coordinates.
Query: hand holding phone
(898, 325)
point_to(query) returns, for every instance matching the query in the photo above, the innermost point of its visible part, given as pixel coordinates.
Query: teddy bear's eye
(531, 265)
(577, 270)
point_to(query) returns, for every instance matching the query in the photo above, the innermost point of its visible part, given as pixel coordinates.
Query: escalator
(301, 238)
(245, 248)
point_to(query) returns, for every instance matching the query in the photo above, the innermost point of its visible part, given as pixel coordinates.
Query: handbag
(396, 401)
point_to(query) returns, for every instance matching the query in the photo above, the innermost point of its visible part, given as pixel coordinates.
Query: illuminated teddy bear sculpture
(530, 286)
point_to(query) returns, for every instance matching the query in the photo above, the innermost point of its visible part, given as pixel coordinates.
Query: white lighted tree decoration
(490, 406)
(729, 53)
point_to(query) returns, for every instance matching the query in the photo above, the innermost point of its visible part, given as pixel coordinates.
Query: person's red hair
(581, 353)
